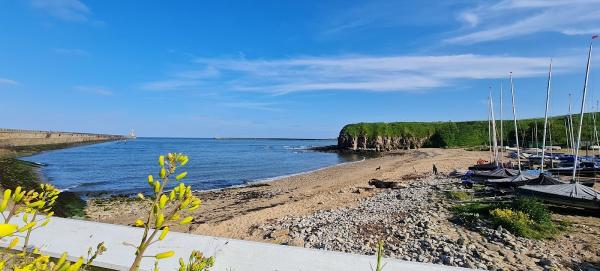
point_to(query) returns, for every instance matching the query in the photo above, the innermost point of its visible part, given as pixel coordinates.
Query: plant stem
(26, 242)
(146, 240)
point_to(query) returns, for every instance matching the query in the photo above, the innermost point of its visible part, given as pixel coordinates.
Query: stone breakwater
(415, 223)
(23, 138)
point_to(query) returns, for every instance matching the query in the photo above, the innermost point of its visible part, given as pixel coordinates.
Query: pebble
(414, 222)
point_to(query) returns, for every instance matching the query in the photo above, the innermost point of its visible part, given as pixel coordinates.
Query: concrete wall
(17, 138)
(76, 236)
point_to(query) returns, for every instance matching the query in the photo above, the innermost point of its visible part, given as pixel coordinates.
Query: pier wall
(22, 138)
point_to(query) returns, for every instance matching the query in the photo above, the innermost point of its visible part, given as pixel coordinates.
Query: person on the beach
(435, 170)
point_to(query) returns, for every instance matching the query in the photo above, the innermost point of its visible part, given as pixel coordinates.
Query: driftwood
(386, 184)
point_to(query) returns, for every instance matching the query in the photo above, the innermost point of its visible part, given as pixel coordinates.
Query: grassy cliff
(472, 133)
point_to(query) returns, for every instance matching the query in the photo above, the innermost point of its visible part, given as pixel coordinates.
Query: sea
(122, 167)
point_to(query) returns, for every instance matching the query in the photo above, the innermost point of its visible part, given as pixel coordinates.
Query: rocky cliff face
(380, 143)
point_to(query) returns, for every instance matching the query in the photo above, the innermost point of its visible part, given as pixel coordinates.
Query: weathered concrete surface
(19, 138)
(76, 236)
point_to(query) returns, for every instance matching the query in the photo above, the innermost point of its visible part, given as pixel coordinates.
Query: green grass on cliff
(472, 133)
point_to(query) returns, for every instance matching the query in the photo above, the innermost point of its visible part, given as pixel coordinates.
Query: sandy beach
(234, 212)
(336, 209)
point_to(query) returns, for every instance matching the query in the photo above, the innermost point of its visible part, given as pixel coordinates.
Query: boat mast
(551, 145)
(571, 134)
(490, 129)
(585, 85)
(546, 115)
(512, 90)
(495, 142)
(537, 142)
(501, 127)
(567, 138)
(596, 130)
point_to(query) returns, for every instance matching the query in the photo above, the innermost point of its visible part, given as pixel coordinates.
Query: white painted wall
(76, 236)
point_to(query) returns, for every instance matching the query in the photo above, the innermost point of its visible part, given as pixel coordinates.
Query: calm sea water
(122, 167)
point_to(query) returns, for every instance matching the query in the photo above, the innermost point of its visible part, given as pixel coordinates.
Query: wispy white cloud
(71, 52)
(382, 14)
(6, 81)
(360, 73)
(252, 105)
(68, 10)
(97, 90)
(512, 18)
(182, 80)
(171, 84)
(470, 18)
(208, 72)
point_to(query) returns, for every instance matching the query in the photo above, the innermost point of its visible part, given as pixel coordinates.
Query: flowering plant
(165, 209)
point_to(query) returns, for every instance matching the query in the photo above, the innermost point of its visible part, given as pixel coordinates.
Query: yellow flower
(139, 223)
(18, 196)
(37, 204)
(156, 186)
(161, 161)
(150, 180)
(61, 261)
(65, 267)
(185, 203)
(163, 234)
(172, 195)
(181, 190)
(183, 160)
(17, 191)
(13, 244)
(163, 173)
(4, 203)
(7, 229)
(186, 220)
(28, 226)
(181, 176)
(159, 220)
(76, 265)
(164, 255)
(163, 201)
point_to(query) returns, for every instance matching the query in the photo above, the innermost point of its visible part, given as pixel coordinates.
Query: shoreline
(277, 178)
(232, 212)
(17, 172)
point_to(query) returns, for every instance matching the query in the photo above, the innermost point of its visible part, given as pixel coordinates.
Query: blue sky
(283, 68)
